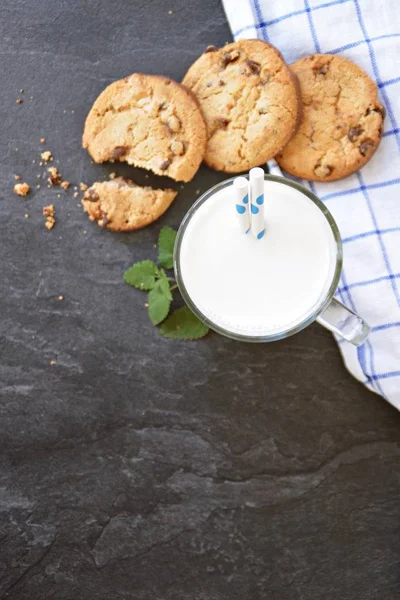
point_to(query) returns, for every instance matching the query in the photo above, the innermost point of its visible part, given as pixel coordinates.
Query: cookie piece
(148, 121)
(250, 101)
(342, 120)
(21, 189)
(121, 205)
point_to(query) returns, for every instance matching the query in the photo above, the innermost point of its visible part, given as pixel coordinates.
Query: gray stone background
(136, 467)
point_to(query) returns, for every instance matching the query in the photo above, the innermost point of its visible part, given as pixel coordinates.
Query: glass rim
(290, 330)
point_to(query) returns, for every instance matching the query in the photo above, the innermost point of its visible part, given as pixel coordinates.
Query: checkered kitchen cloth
(366, 205)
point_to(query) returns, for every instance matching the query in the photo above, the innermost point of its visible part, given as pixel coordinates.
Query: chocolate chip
(91, 195)
(162, 105)
(222, 122)
(254, 66)
(119, 152)
(377, 109)
(354, 133)
(323, 170)
(54, 177)
(164, 164)
(365, 146)
(229, 57)
(221, 83)
(322, 70)
(210, 49)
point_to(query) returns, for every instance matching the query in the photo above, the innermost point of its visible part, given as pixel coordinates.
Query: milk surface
(258, 287)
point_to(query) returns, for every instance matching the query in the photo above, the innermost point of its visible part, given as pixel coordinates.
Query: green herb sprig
(147, 276)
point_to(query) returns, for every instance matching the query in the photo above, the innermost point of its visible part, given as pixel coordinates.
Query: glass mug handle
(344, 322)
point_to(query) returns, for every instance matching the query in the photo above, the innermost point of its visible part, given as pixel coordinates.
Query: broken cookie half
(121, 205)
(148, 121)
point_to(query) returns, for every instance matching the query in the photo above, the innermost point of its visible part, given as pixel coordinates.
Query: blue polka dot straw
(257, 202)
(241, 195)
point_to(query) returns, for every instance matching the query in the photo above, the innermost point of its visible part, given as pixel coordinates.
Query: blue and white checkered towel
(366, 205)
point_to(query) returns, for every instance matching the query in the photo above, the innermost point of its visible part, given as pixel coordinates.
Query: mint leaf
(159, 301)
(183, 325)
(164, 284)
(142, 275)
(166, 242)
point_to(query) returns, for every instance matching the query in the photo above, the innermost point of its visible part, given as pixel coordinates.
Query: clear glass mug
(330, 313)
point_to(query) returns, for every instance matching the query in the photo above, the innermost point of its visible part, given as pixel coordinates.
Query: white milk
(258, 287)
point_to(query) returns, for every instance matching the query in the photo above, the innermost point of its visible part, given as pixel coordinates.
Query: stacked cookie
(238, 107)
(342, 120)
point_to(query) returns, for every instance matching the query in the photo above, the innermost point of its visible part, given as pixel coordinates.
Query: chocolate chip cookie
(148, 121)
(121, 205)
(342, 119)
(250, 101)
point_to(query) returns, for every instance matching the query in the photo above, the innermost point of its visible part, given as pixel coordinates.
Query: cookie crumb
(42, 140)
(58, 195)
(52, 362)
(38, 186)
(197, 192)
(54, 177)
(112, 175)
(146, 304)
(46, 156)
(41, 164)
(17, 177)
(50, 222)
(170, 12)
(21, 189)
(65, 185)
(21, 91)
(61, 297)
(26, 215)
(76, 194)
(83, 187)
(48, 212)
(19, 100)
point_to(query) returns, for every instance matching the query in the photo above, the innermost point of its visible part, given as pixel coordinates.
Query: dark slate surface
(141, 468)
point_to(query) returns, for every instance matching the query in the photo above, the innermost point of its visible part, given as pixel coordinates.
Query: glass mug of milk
(262, 290)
